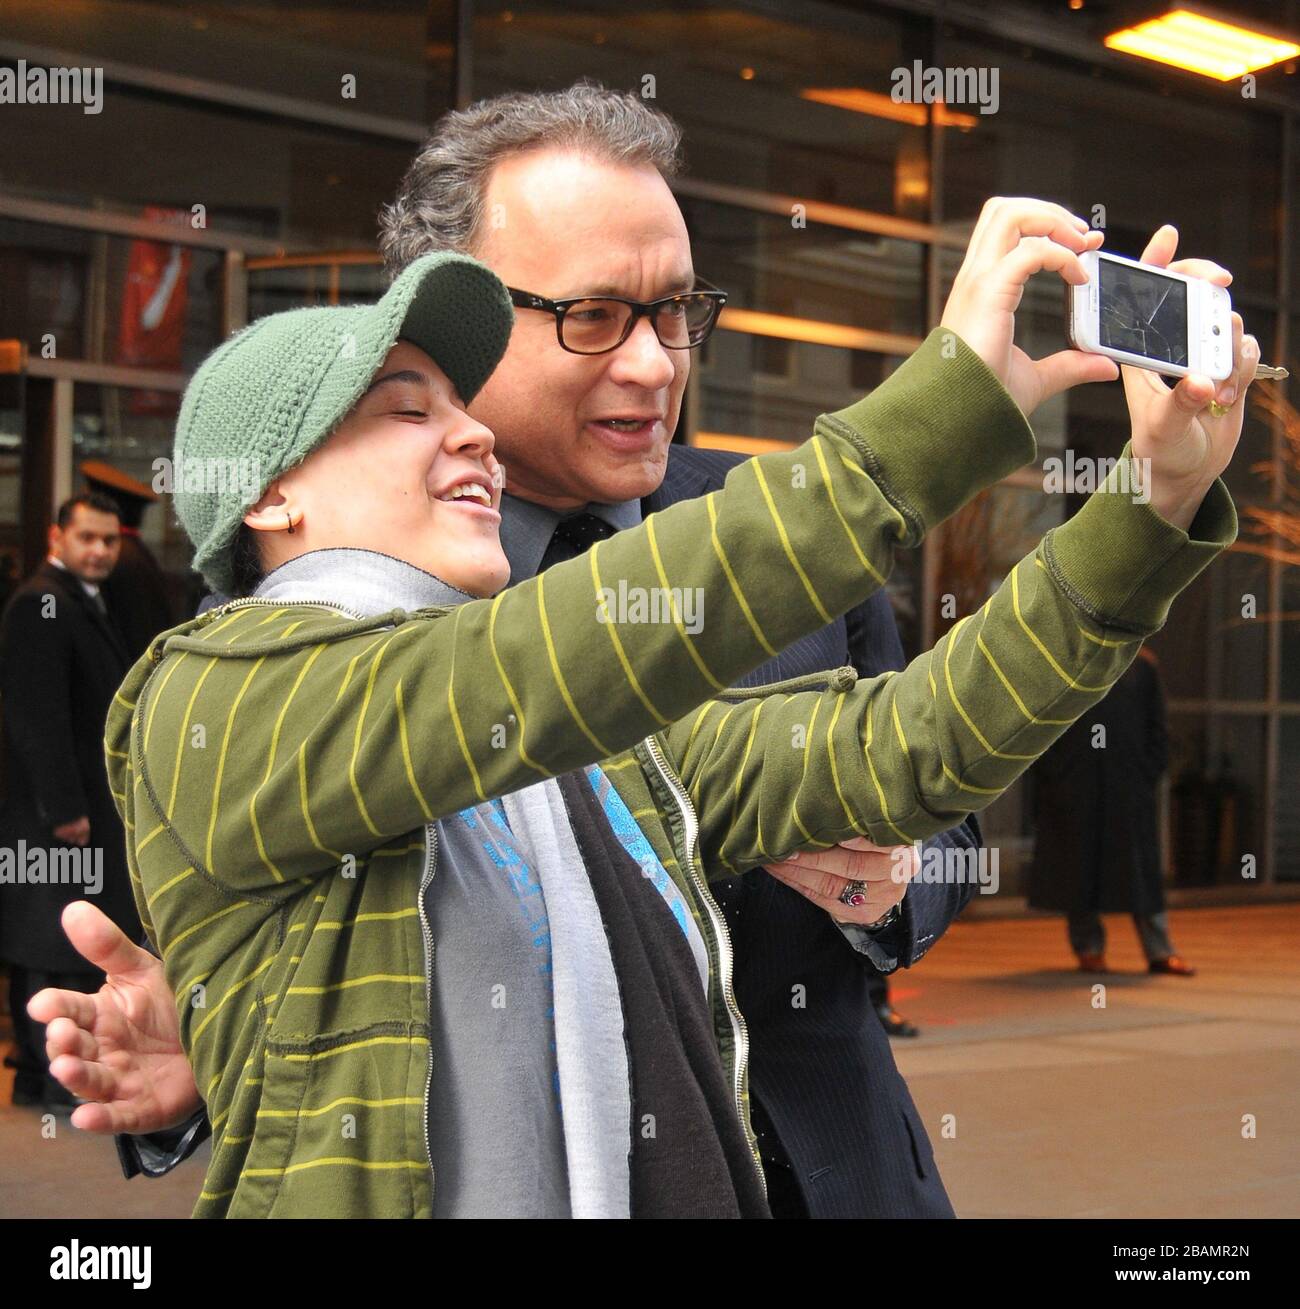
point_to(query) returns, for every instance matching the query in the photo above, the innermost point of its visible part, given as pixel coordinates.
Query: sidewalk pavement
(1065, 1109)
(1058, 1107)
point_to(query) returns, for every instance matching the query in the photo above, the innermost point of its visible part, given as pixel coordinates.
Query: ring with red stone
(855, 894)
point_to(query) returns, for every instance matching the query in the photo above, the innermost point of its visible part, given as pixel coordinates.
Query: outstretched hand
(120, 1048)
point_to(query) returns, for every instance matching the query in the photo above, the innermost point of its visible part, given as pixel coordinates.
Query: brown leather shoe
(894, 1023)
(1174, 965)
(1093, 963)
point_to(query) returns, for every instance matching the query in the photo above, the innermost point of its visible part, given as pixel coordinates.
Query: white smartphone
(1150, 318)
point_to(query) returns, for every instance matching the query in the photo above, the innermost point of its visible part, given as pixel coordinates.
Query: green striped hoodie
(279, 766)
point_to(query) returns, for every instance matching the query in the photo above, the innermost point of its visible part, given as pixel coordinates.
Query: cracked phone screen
(1143, 313)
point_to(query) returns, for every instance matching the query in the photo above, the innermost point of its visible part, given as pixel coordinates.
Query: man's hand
(1013, 239)
(822, 875)
(120, 1047)
(1175, 435)
(77, 832)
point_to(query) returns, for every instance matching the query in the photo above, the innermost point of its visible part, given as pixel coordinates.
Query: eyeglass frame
(640, 309)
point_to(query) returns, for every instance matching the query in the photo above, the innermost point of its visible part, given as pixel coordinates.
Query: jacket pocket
(340, 1127)
(275, 1133)
(922, 1154)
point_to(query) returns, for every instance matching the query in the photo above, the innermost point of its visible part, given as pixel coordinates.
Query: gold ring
(1216, 409)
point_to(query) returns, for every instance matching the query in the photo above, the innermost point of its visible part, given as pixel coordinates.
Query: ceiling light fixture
(1199, 44)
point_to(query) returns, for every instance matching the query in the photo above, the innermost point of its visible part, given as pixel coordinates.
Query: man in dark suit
(61, 659)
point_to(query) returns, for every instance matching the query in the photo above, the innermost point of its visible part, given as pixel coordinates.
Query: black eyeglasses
(594, 325)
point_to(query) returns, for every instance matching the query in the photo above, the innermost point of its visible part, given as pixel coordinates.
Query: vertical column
(234, 292)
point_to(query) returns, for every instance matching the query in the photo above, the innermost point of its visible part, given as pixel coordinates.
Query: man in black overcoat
(1097, 809)
(61, 660)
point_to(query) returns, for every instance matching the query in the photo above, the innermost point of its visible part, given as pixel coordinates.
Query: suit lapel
(74, 594)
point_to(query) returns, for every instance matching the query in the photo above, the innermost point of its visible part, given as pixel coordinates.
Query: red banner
(153, 312)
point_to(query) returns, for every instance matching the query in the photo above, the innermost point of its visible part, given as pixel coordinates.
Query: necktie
(111, 628)
(574, 536)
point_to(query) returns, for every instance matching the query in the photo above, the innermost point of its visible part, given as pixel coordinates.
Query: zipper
(155, 651)
(283, 604)
(430, 862)
(726, 953)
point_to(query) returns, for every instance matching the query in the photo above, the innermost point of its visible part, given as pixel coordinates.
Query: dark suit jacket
(60, 663)
(823, 1077)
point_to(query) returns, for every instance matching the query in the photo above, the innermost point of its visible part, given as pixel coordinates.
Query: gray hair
(440, 202)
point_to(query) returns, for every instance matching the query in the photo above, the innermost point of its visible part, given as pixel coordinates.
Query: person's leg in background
(1153, 931)
(890, 1019)
(1087, 939)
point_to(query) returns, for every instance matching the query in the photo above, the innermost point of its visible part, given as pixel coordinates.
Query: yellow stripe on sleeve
(455, 713)
(848, 531)
(785, 542)
(221, 762)
(1039, 646)
(556, 672)
(985, 745)
(732, 580)
(672, 601)
(510, 690)
(612, 628)
(406, 754)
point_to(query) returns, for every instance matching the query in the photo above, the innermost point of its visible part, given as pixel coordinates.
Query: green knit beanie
(265, 399)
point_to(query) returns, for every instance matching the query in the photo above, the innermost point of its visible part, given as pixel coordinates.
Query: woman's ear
(277, 510)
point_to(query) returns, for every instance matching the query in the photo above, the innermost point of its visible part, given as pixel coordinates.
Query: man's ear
(277, 510)
(54, 539)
